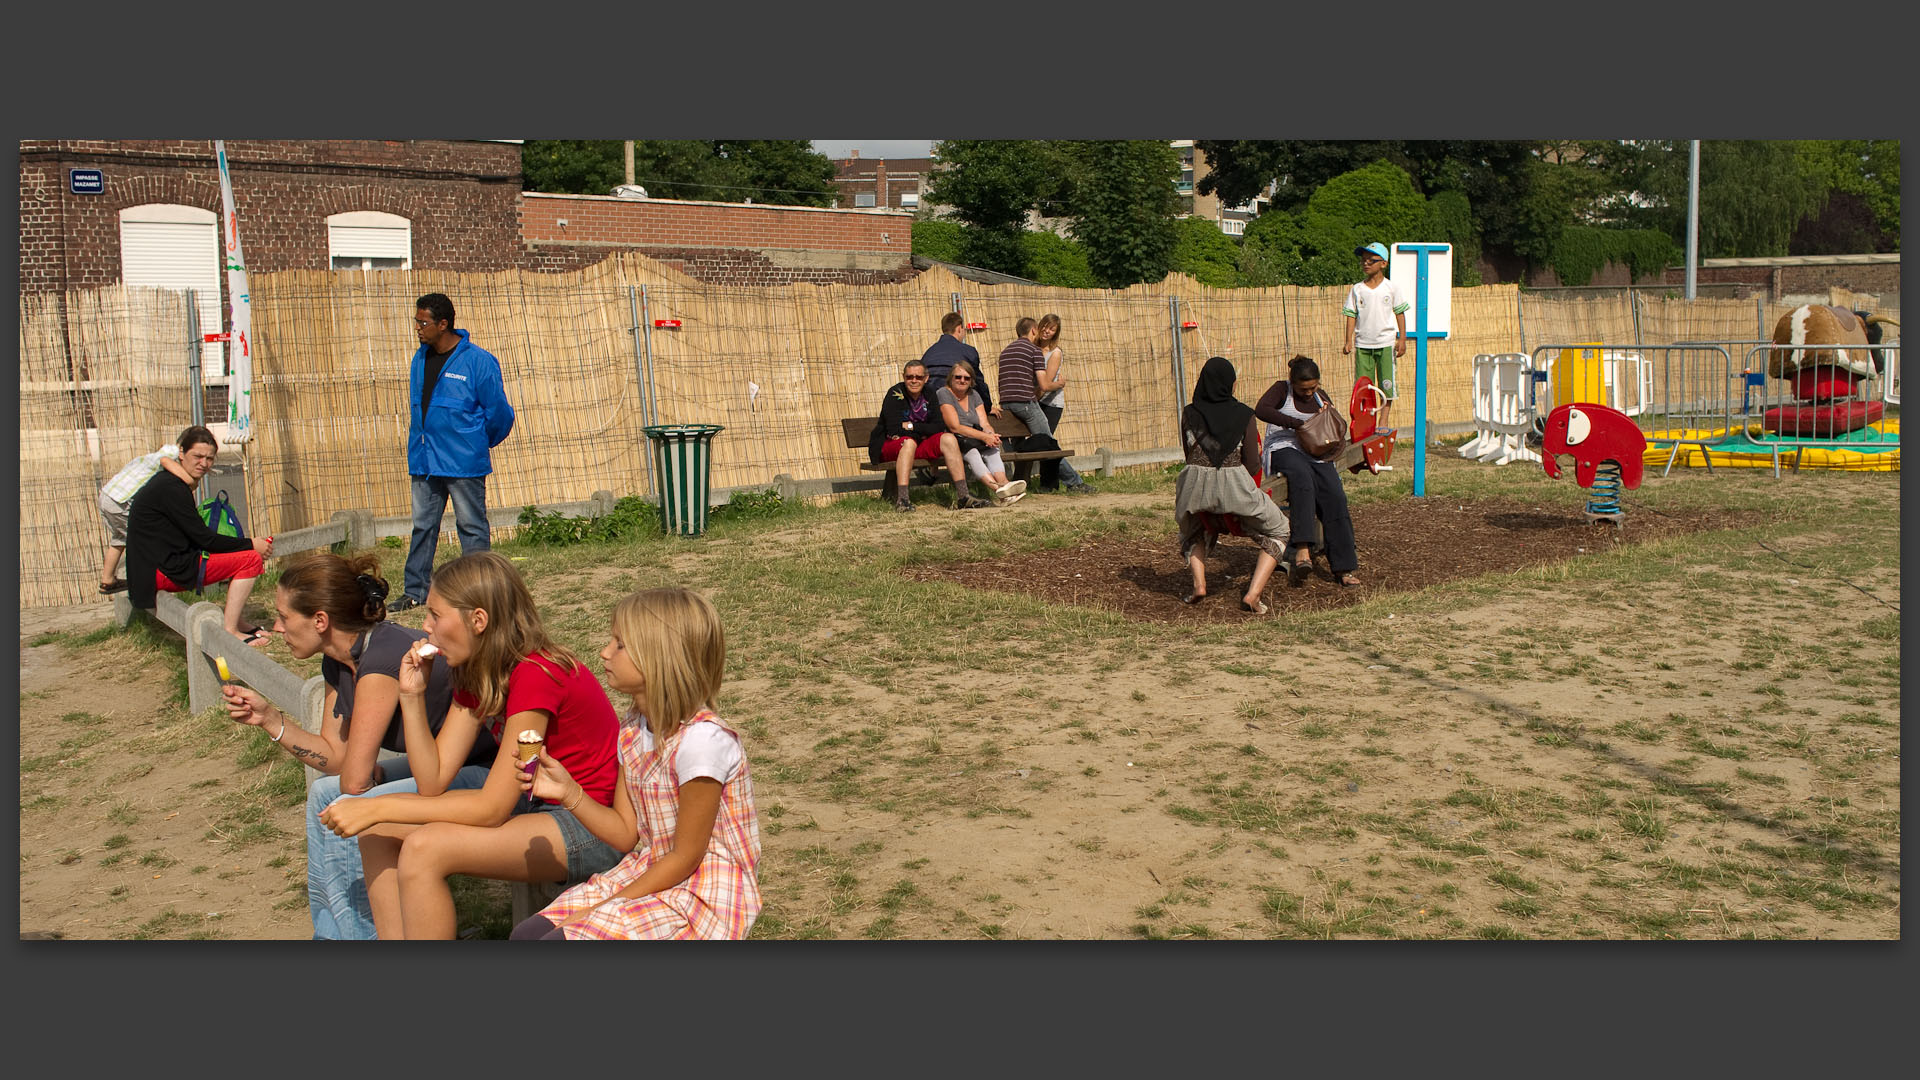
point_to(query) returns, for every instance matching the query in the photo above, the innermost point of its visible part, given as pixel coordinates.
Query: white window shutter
(168, 246)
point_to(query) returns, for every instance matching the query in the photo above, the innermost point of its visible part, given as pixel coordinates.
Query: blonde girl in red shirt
(685, 793)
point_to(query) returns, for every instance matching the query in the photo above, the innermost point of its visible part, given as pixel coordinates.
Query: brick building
(447, 204)
(440, 204)
(881, 183)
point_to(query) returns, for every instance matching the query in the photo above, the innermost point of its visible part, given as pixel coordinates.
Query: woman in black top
(910, 429)
(1313, 486)
(165, 539)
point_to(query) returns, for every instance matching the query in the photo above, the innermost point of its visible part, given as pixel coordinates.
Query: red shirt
(582, 735)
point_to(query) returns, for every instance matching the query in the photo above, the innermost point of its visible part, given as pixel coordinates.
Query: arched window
(369, 240)
(169, 246)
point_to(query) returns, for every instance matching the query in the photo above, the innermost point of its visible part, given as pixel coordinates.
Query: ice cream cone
(530, 744)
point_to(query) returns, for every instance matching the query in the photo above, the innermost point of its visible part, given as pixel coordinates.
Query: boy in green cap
(1376, 323)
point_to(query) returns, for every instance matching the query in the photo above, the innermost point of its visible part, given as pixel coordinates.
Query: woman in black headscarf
(1221, 441)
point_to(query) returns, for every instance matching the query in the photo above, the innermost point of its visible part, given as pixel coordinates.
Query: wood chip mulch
(1403, 546)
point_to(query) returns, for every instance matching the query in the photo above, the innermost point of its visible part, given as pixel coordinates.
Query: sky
(875, 148)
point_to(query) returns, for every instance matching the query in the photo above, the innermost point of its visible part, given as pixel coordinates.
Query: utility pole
(1693, 212)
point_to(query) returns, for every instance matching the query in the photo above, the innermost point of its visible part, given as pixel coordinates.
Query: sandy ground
(1249, 797)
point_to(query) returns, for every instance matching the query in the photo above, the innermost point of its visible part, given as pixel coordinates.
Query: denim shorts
(587, 854)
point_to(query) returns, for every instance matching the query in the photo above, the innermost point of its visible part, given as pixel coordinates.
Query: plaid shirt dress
(720, 899)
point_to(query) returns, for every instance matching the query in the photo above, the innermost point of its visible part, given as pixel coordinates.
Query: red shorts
(221, 566)
(928, 450)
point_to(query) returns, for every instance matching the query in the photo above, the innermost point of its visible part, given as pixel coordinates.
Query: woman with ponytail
(337, 608)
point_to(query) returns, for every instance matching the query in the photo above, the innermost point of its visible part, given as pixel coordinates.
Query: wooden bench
(1019, 463)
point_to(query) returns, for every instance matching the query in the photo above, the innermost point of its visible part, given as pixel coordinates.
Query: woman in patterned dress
(686, 795)
(1220, 436)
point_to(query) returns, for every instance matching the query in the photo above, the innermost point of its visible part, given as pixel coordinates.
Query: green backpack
(218, 513)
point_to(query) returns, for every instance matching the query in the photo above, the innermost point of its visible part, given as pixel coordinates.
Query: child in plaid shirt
(685, 801)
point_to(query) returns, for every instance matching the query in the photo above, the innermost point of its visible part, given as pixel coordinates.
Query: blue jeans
(1036, 421)
(430, 494)
(336, 882)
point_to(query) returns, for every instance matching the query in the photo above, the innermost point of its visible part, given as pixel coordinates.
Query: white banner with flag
(240, 321)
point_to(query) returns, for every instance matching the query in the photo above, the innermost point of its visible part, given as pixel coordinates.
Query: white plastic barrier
(1503, 409)
(1483, 437)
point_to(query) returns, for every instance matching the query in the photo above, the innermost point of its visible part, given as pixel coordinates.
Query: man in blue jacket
(460, 412)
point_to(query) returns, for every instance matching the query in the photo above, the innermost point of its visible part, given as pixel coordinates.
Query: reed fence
(104, 376)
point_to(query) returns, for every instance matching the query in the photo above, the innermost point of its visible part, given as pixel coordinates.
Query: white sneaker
(1013, 498)
(1012, 490)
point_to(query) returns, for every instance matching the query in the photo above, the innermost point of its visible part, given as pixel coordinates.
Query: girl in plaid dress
(685, 802)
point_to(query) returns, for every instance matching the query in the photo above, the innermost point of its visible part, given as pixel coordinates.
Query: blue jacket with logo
(469, 414)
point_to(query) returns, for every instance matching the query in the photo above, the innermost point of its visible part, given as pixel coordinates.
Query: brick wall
(459, 197)
(720, 266)
(1880, 279)
(724, 243)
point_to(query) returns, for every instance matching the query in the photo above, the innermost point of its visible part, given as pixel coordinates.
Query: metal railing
(1789, 412)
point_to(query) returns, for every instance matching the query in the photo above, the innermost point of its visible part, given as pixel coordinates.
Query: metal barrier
(1780, 420)
(1685, 394)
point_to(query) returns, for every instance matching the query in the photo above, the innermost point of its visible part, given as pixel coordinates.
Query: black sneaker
(1082, 489)
(403, 603)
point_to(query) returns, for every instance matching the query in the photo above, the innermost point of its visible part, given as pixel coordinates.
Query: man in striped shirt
(116, 495)
(1022, 379)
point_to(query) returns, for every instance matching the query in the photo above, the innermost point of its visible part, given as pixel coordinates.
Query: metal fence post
(641, 380)
(196, 405)
(1179, 362)
(956, 303)
(1520, 315)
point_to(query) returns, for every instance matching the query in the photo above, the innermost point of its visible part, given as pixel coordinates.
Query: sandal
(259, 637)
(1193, 598)
(1297, 573)
(1348, 581)
(118, 586)
(1258, 607)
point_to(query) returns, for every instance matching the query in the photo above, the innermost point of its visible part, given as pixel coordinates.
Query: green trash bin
(683, 463)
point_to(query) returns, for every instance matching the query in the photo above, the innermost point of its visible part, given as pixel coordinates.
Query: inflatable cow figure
(1826, 374)
(1608, 452)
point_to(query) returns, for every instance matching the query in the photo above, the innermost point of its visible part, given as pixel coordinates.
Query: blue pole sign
(1431, 267)
(86, 181)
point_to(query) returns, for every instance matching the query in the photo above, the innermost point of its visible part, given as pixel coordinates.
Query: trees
(1123, 200)
(784, 172)
(991, 184)
(1205, 254)
(1752, 191)
(1862, 211)
(1119, 193)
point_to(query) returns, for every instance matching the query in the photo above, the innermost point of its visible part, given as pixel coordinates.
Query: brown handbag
(1325, 433)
